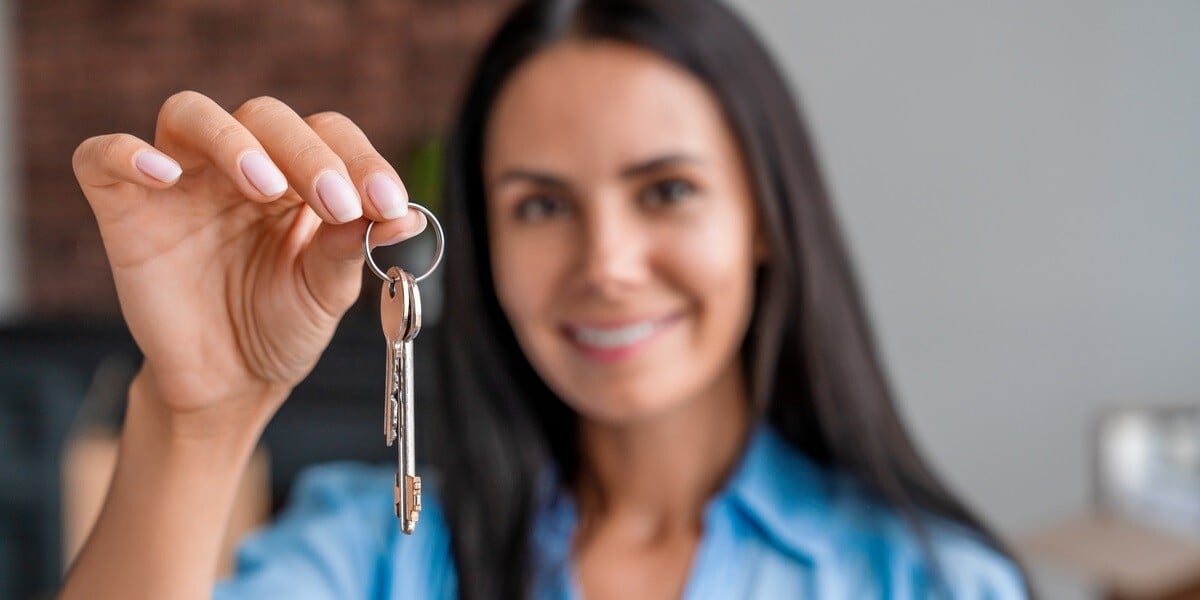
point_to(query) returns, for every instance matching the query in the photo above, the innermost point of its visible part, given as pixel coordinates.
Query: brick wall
(86, 67)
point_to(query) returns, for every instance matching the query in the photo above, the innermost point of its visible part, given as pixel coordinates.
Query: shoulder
(872, 543)
(856, 544)
(338, 537)
(962, 565)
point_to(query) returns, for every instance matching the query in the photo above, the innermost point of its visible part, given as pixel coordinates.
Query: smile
(611, 343)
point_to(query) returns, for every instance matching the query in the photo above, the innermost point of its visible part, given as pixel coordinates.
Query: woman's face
(622, 228)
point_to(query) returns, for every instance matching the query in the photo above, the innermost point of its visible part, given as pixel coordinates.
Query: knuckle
(84, 153)
(177, 104)
(330, 119)
(255, 108)
(311, 153)
(103, 153)
(111, 146)
(226, 134)
(363, 161)
(101, 148)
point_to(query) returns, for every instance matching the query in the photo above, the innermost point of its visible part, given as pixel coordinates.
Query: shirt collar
(785, 493)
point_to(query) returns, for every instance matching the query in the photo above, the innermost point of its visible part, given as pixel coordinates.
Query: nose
(614, 248)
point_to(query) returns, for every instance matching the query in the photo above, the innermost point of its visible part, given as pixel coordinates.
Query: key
(408, 484)
(394, 313)
(400, 315)
(397, 303)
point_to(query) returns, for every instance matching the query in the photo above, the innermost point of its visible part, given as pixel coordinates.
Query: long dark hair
(810, 359)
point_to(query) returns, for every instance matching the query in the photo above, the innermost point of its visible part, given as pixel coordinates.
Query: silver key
(412, 482)
(394, 311)
(400, 311)
(407, 490)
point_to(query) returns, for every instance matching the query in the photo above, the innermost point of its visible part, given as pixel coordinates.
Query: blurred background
(1019, 183)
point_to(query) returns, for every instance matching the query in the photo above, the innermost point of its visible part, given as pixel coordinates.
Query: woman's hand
(236, 246)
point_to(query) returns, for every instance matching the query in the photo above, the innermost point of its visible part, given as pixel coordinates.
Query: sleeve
(332, 541)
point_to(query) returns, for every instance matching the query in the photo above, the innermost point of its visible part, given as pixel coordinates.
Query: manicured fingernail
(263, 174)
(157, 166)
(339, 197)
(386, 196)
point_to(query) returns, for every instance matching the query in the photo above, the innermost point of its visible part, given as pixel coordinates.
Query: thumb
(333, 262)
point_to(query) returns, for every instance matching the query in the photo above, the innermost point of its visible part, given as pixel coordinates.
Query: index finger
(194, 121)
(374, 177)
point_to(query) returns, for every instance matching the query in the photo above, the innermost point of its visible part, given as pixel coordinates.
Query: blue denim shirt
(783, 527)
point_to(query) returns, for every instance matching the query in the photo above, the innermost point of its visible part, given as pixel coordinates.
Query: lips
(608, 343)
(613, 337)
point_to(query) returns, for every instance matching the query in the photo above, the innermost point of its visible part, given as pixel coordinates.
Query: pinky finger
(122, 158)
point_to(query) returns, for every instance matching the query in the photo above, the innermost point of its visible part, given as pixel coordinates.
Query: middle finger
(377, 181)
(314, 170)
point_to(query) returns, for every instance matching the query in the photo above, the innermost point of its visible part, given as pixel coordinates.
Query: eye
(667, 192)
(540, 207)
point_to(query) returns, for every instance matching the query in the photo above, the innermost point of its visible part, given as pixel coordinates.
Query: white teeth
(613, 338)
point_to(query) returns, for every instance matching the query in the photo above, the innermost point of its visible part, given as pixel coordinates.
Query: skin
(650, 220)
(232, 294)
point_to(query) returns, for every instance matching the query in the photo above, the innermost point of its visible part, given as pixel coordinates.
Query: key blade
(407, 420)
(394, 315)
(389, 400)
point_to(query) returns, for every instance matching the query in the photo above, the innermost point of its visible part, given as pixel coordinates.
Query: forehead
(600, 104)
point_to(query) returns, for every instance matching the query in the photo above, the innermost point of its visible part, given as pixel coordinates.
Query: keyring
(438, 246)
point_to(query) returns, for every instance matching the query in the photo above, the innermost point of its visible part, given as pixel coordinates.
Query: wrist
(237, 417)
(170, 498)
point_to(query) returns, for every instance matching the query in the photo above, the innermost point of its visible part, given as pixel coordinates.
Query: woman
(658, 377)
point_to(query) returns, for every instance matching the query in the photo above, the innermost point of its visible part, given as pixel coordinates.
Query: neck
(658, 473)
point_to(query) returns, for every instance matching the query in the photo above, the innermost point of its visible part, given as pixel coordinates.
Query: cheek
(714, 262)
(524, 275)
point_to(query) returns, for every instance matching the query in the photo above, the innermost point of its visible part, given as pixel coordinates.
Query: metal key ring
(438, 246)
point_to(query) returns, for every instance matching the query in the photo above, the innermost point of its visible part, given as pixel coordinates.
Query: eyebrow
(629, 172)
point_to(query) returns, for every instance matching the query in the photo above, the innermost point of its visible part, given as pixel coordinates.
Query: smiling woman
(625, 266)
(642, 232)
(658, 377)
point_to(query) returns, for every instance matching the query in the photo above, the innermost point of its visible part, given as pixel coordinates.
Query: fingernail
(386, 196)
(157, 166)
(339, 198)
(263, 174)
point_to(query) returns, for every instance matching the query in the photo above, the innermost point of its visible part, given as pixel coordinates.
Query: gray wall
(1020, 183)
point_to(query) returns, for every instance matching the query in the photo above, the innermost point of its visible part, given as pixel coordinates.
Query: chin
(619, 405)
(619, 389)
